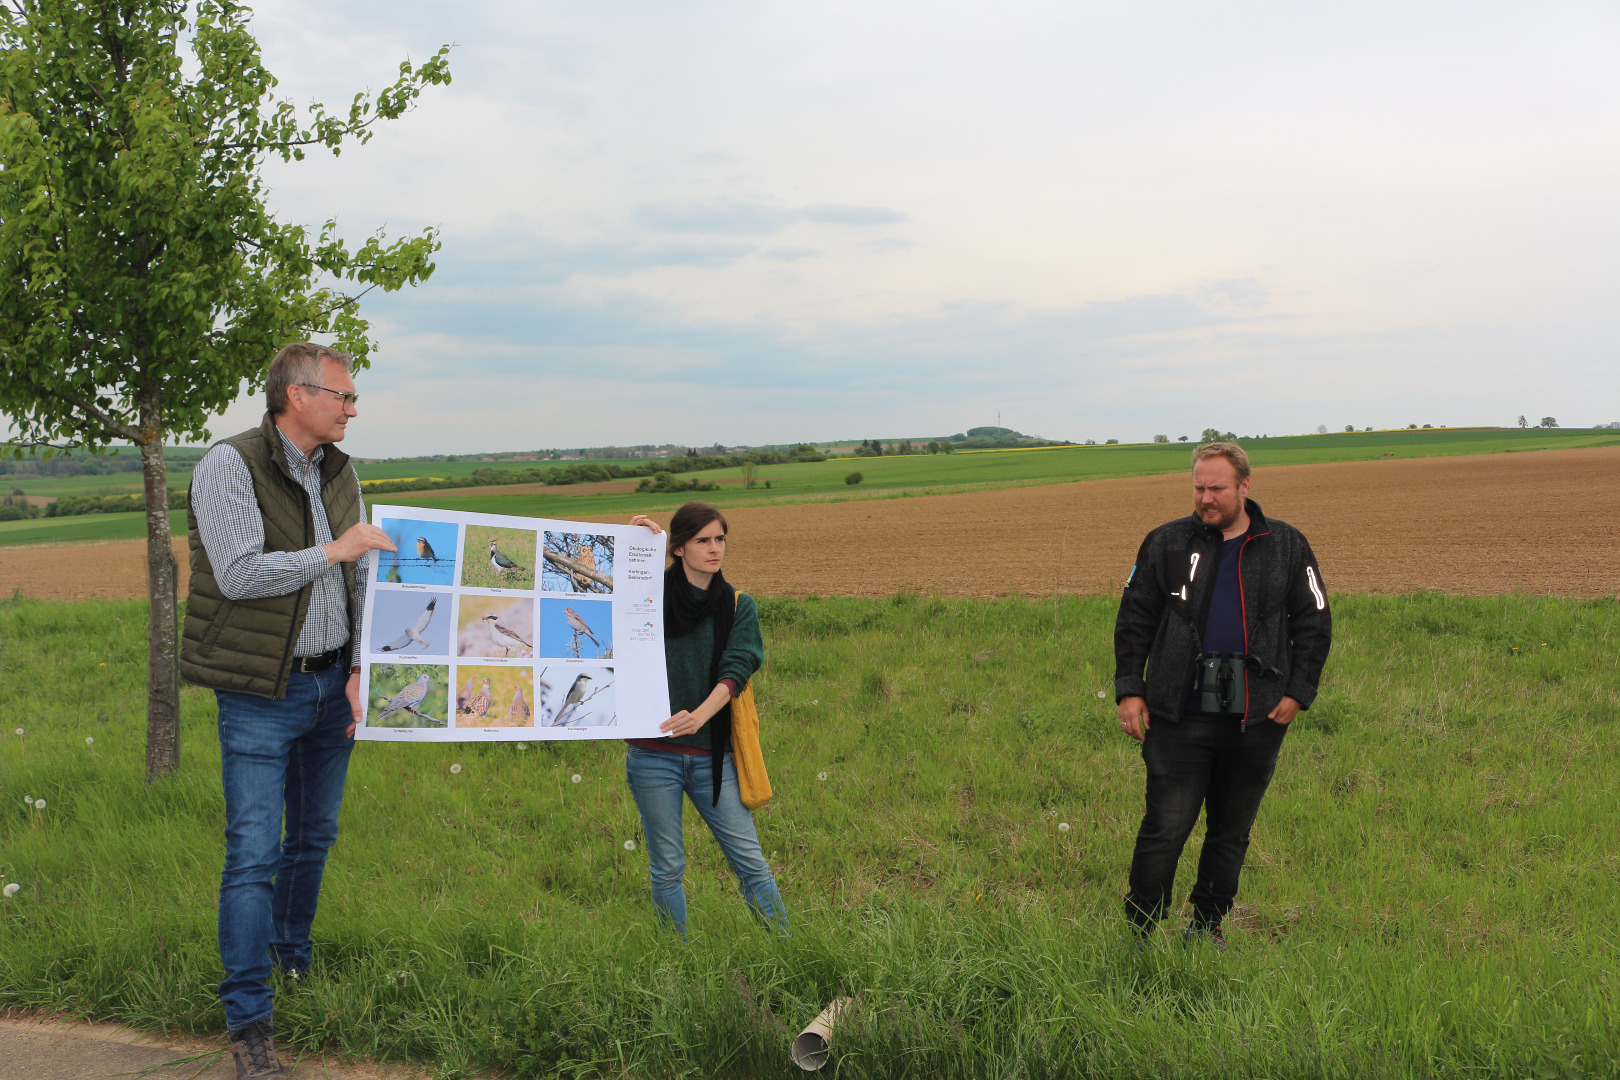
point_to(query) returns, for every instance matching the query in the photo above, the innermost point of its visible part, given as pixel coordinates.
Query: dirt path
(1542, 522)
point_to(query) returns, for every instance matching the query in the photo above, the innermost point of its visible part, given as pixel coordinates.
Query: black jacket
(1287, 626)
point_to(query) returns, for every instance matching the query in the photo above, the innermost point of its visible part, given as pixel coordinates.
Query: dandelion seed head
(11, 890)
(1063, 826)
(39, 804)
(523, 746)
(629, 845)
(821, 776)
(1102, 693)
(28, 800)
(19, 731)
(815, 701)
(577, 778)
(455, 768)
(89, 740)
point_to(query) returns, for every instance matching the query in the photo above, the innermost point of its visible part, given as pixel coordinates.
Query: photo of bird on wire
(574, 697)
(417, 623)
(408, 696)
(496, 626)
(426, 555)
(577, 563)
(499, 697)
(493, 558)
(576, 629)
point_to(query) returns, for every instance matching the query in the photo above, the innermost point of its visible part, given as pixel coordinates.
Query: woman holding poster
(712, 647)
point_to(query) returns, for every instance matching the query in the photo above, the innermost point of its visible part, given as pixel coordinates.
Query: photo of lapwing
(493, 558)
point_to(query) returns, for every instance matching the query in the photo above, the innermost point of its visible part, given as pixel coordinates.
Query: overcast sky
(759, 222)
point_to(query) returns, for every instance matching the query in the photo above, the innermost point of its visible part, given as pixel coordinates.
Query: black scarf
(684, 613)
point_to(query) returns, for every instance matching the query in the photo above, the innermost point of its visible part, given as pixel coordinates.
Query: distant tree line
(592, 472)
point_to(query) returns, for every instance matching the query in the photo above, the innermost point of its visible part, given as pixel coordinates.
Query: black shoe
(254, 1048)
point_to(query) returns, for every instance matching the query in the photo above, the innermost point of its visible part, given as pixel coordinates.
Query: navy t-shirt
(1223, 629)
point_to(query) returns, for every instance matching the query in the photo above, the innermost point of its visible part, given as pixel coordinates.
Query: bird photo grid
(483, 627)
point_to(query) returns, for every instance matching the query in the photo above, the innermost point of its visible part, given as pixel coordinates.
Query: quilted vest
(247, 645)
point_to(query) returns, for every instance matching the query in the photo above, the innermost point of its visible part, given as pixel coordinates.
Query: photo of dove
(576, 629)
(496, 558)
(518, 713)
(577, 563)
(495, 626)
(408, 695)
(393, 610)
(588, 702)
(426, 554)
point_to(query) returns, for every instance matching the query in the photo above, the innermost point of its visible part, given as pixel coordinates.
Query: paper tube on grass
(813, 1046)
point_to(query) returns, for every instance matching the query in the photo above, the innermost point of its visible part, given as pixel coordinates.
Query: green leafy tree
(1163, 438)
(143, 281)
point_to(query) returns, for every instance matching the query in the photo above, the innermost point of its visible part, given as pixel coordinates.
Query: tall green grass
(1431, 890)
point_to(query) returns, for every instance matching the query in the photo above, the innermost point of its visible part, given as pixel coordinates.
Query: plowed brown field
(1544, 522)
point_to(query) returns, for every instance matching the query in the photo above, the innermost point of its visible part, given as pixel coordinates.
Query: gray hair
(297, 364)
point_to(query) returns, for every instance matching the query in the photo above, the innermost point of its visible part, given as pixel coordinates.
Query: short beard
(1225, 522)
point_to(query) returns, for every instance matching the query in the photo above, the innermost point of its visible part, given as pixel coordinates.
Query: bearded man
(1222, 633)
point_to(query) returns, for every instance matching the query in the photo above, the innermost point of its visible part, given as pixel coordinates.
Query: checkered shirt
(232, 529)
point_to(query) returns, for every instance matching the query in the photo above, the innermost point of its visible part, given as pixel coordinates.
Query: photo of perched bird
(504, 636)
(501, 563)
(406, 699)
(413, 633)
(479, 705)
(587, 556)
(518, 712)
(425, 550)
(579, 625)
(576, 694)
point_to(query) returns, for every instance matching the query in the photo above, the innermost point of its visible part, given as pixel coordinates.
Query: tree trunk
(163, 658)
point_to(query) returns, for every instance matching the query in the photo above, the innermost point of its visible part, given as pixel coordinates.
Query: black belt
(325, 660)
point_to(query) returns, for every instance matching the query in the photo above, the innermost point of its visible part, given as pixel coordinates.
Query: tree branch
(573, 567)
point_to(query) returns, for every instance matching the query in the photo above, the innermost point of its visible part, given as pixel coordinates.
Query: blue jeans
(287, 756)
(658, 779)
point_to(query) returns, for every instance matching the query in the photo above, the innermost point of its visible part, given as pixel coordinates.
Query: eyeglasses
(348, 399)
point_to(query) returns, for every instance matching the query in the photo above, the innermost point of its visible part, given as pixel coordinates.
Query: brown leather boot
(254, 1048)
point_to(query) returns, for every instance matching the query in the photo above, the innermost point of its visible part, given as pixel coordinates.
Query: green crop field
(973, 470)
(888, 477)
(1430, 893)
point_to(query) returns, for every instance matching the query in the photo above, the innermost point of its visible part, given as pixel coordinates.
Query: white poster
(490, 628)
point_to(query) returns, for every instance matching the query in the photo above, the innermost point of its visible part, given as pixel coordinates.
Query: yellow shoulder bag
(752, 783)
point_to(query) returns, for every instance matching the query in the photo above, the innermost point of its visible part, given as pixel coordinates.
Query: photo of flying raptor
(401, 622)
(576, 629)
(576, 563)
(426, 555)
(494, 558)
(408, 696)
(495, 626)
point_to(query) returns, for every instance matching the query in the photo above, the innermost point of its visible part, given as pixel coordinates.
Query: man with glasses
(277, 523)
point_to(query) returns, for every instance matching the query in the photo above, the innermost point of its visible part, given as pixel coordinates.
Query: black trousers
(1207, 763)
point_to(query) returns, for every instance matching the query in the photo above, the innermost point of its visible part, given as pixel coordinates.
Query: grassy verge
(1430, 891)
